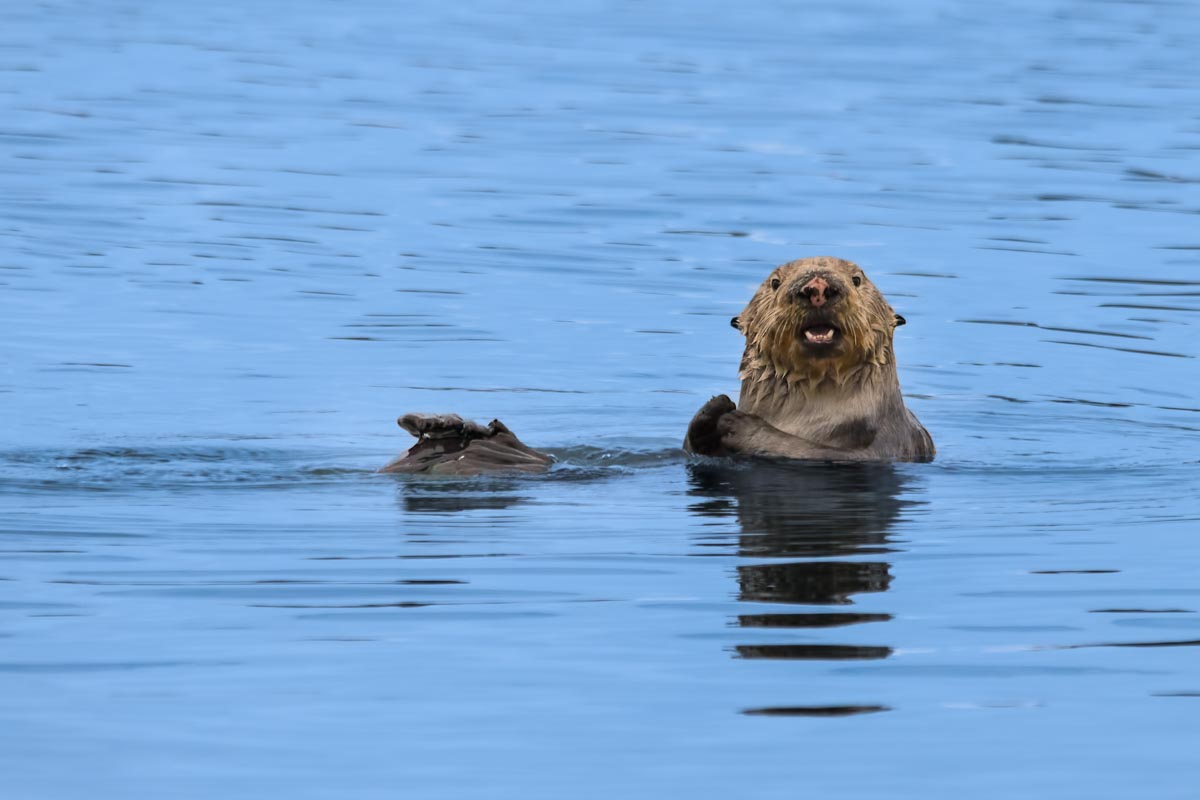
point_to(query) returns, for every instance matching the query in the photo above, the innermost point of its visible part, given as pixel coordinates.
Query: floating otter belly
(818, 374)
(818, 383)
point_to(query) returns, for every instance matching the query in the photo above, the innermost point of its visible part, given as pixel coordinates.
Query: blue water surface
(237, 239)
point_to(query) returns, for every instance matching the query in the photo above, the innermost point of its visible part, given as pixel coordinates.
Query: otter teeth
(819, 335)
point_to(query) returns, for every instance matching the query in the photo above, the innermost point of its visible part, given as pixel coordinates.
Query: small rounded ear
(736, 322)
(900, 321)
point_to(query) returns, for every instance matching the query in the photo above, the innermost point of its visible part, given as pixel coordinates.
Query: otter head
(815, 320)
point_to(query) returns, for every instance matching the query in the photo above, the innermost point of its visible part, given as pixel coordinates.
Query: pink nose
(817, 291)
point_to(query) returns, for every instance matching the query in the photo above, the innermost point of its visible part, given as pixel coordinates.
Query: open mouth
(819, 335)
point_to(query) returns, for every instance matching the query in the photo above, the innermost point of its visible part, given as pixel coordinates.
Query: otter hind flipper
(449, 445)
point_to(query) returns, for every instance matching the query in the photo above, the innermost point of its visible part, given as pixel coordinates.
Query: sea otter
(818, 374)
(818, 383)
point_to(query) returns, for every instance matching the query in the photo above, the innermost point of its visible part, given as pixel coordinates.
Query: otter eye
(857, 280)
(775, 283)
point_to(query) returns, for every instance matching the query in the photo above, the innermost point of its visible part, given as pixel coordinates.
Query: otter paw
(734, 426)
(704, 435)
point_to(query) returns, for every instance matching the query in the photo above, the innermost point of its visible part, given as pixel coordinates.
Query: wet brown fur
(770, 322)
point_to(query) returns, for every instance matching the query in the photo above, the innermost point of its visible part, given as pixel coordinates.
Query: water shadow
(808, 525)
(809, 511)
(441, 496)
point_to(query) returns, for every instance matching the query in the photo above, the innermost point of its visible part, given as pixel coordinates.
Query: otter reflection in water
(456, 496)
(792, 511)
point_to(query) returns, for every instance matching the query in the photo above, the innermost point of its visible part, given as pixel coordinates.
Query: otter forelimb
(719, 429)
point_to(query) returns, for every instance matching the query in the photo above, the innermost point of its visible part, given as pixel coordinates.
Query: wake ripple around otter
(169, 467)
(129, 468)
(180, 466)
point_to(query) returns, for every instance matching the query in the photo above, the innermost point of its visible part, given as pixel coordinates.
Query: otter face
(816, 318)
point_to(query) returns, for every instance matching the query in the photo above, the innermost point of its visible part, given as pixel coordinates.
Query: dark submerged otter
(818, 383)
